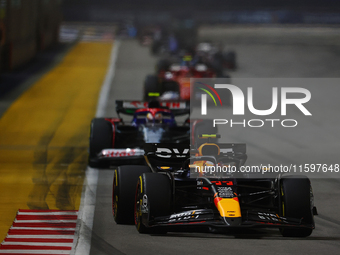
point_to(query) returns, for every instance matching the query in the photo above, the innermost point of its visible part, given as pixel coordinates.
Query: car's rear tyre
(171, 86)
(163, 65)
(152, 199)
(230, 60)
(297, 202)
(151, 85)
(100, 138)
(123, 192)
(156, 47)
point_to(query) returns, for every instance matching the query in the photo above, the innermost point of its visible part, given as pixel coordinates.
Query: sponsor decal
(144, 205)
(167, 152)
(219, 183)
(271, 217)
(225, 192)
(140, 104)
(117, 153)
(184, 216)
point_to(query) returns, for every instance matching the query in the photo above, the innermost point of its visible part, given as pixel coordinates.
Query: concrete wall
(27, 26)
(49, 20)
(21, 21)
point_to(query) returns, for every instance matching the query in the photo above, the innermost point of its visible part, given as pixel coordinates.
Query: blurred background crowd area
(28, 27)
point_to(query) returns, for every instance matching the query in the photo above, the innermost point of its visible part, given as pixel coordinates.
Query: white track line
(82, 239)
(105, 90)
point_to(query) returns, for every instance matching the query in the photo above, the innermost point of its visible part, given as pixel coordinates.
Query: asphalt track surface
(258, 57)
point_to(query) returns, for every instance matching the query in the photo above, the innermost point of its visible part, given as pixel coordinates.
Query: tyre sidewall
(156, 189)
(296, 203)
(101, 137)
(123, 192)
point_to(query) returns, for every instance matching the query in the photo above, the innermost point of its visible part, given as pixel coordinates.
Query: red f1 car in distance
(164, 195)
(112, 141)
(172, 81)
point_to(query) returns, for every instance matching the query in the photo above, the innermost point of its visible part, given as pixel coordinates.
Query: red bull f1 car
(169, 194)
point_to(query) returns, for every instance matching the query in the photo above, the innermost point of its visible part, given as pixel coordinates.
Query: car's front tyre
(152, 199)
(297, 202)
(123, 192)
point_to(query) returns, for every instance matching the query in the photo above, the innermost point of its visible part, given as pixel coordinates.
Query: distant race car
(174, 36)
(170, 192)
(173, 73)
(114, 142)
(217, 56)
(172, 81)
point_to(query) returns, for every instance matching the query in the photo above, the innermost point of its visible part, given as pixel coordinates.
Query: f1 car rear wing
(234, 148)
(224, 148)
(129, 107)
(220, 151)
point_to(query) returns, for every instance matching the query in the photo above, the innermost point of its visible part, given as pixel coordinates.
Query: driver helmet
(187, 60)
(158, 117)
(149, 117)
